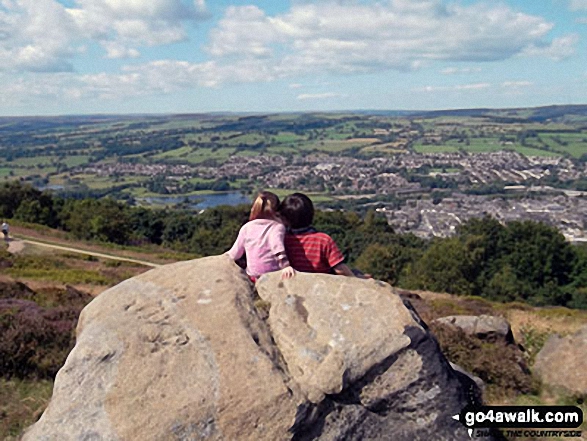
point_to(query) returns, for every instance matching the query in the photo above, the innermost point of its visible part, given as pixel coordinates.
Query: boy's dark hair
(298, 210)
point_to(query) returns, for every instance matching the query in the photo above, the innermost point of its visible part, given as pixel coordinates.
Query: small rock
(485, 327)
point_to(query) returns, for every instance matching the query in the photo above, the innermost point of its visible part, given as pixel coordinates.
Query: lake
(201, 201)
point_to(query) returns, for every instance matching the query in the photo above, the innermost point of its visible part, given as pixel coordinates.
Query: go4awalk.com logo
(551, 421)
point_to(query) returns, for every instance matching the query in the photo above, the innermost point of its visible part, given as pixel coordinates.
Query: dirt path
(17, 245)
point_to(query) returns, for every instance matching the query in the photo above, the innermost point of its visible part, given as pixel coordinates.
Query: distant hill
(536, 114)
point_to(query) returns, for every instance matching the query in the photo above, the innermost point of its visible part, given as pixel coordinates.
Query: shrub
(34, 341)
(533, 340)
(46, 297)
(501, 366)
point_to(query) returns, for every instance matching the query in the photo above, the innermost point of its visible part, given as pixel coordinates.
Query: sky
(62, 57)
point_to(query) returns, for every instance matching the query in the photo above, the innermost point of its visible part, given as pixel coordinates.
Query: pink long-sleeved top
(262, 240)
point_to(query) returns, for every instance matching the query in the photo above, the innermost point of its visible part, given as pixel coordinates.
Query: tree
(444, 267)
(383, 262)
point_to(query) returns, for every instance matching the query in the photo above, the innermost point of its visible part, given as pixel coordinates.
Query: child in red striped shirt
(309, 250)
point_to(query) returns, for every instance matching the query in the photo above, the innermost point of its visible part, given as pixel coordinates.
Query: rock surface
(182, 353)
(561, 362)
(486, 327)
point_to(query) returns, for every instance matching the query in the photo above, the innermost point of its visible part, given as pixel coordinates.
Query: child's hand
(288, 272)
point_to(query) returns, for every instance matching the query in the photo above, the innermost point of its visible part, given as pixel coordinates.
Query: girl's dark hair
(298, 210)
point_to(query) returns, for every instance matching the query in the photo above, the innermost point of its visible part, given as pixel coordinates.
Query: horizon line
(285, 112)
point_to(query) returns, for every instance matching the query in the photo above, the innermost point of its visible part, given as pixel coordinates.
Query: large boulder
(560, 363)
(485, 327)
(183, 353)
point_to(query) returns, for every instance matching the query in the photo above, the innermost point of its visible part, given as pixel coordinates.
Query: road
(16, 245)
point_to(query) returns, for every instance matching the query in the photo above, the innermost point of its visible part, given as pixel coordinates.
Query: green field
(316, 197)
(529, 151)
(282, 150)
(483, 145)
(247, 139)
(420, 148)
(339, 146)
(42, 161)
(75, 161)
(179, 153)
(60, 149)
(576, 143)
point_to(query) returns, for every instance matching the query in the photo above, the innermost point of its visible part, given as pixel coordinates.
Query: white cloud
(116, 50)
(475, 86)
(248, 45)
(516, 84)
(559, 49)
(581, 20)
(137, 22)
(243, 30)
(577, 5)
(459, 87)
(356, 37)
(318, 96)
(462, 70)
(44, 35)
(35, 36)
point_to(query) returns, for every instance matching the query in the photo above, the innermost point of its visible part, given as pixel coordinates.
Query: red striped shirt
(312, 252)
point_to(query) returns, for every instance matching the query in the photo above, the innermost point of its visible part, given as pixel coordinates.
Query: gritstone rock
(182, 353)
(561, 362)
(486, 327)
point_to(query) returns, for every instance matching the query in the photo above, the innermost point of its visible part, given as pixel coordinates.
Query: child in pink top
(262, 240)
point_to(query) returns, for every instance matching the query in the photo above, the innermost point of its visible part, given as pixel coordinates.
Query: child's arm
(342, 270)
(276, 242)
(238, 248)
(287, 272)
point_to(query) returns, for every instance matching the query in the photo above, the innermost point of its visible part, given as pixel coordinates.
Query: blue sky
(160, 56)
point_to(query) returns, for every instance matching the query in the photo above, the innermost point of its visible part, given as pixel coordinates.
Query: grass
(420, 148)
(333, 146)
(45, 265)
(288, 137)
(21, 404)
(562, 321)
(248, 153)
(388, 148)
(529, 151)
(56, 237)
(527, 322)
(200, 155)
(248, 139)
(483, 145)
(95, 182)
(5, 172)
(34, 161)
(68, 276)
(576, 146)
(279, 150)
(74, 161)
(174, 154)
(316, 197)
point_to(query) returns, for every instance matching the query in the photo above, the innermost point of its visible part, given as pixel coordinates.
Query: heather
(35, 340)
